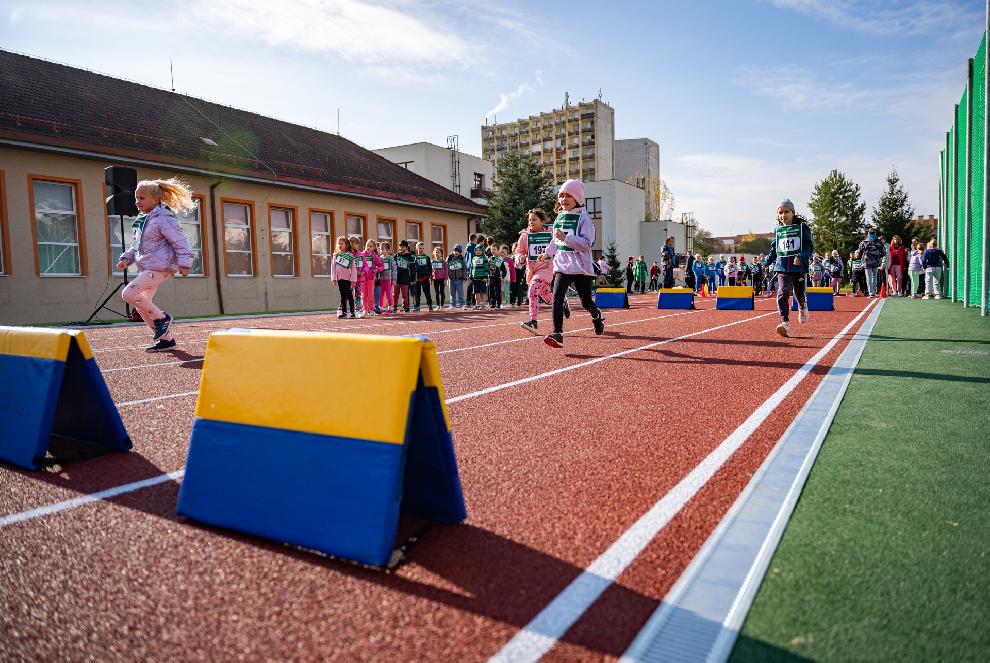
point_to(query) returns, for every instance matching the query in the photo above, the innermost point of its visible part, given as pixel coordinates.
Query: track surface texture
(554, 470)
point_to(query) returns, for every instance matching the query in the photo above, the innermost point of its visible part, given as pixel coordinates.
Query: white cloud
(892, 17)
(354, 30)
(797, 88)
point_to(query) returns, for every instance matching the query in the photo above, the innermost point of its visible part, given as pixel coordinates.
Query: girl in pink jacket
(359, 282)
(372, 265)
(539, 273)
(159, 247)
(344, 273)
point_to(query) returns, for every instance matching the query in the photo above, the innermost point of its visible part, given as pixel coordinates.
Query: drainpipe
(216, 243)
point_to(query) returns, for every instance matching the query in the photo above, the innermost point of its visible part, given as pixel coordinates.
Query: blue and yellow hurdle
(818, 298)
(52, 389)
(675, 298)
(321, 440)
(734, 298)
(611, 298)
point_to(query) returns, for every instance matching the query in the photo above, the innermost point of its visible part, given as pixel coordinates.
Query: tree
(521, 185)
(705, 244)
(614, 276)
(893, 213)
(838, 214)
(753, 244)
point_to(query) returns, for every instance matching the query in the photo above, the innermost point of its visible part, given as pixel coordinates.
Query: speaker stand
(103, 304)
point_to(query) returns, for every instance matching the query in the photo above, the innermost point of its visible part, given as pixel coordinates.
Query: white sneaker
(803, 314)
(784, 329)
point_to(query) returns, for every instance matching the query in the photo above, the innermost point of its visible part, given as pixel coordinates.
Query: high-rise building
(576, 141)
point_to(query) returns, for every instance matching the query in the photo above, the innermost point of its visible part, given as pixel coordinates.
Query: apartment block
(576, 141)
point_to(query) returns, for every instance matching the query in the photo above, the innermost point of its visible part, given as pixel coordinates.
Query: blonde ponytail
(173, 192)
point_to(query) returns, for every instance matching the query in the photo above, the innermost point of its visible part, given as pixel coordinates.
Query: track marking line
(702, 614)
(541, 634)
(596, 360)
(139, 485)
(89, 499)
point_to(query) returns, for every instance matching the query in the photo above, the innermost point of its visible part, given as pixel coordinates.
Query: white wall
(636, 155)
(433, 162)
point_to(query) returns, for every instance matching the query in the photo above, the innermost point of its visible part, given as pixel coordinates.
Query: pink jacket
(341, 273)
(368, 260)
(534, 268)
(161, 245)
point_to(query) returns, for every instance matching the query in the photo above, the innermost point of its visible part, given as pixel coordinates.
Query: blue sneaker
(162, 326)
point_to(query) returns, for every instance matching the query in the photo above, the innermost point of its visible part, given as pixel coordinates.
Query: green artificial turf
(887, 555)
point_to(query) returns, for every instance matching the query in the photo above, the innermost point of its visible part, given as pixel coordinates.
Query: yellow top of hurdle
(732, 291)
(818, 289)
(348, 385)
(677, 291)
(611, 289)
(42, 342)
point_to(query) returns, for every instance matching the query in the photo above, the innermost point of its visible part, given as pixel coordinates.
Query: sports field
(592, 476)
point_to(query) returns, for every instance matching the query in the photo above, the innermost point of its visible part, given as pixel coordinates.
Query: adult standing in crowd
(630, 275)
(668, 260)
(871, 253)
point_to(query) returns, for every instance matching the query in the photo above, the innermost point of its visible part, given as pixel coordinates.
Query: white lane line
(89, 499)
(573, 331)
(137, 486)
(165, 363)
(596, 360)
(541, 634)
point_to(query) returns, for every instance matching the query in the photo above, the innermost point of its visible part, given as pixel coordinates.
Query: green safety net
(978, 141)
(958, 263)
(949, 241)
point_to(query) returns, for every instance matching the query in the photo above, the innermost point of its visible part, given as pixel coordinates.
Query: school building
(272, 197)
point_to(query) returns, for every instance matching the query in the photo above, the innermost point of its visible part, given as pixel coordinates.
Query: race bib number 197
(788, 240)
(537, 244)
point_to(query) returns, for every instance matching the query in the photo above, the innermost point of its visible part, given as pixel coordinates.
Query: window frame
(6, 262)
(364, 226)
(332, 234)
(203, 237)
(597, 213)
(443, 244)
(253, 222)
(391, 220)
(80, 223)
(294, 232)
(419, 224)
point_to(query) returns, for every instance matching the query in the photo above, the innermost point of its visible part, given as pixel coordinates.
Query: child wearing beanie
(573, 236)
(790, 255)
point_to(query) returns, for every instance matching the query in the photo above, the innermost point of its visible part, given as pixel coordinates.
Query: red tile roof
(56, 105)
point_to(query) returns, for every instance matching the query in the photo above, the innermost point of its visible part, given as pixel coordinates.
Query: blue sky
(750, 100)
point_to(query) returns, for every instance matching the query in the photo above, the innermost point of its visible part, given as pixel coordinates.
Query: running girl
(790, 255)
(532, 244)
(159, 248)
(573, 236)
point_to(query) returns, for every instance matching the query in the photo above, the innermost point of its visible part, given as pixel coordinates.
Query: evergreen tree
(838, 214)
(893, 213)
(614, 276)
(705, 244)
(521, 185)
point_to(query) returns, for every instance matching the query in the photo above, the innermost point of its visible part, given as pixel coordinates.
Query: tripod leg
(103, 304)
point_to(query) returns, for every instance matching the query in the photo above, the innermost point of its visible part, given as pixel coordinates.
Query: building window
(238, 239)
(192, 225)
(57, 228)
(282, 238)
(438, 238)
(404, 164)
(414, 233)
(355, 224)
(594, 207)
(386, 231)
(479, 181)
(321, 242)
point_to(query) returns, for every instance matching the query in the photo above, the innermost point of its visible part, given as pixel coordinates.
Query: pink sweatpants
(368, 295)
(385, 286)
(139, 293)
(538, 288)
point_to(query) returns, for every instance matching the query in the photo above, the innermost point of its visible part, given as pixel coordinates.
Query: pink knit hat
(575, 188)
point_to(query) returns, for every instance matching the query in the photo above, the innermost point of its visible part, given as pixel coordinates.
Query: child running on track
(570, 250)
(790, 255)
(159, 247)
(533, 243)
(344, 274)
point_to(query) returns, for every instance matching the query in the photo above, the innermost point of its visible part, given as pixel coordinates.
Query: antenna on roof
(171, 73)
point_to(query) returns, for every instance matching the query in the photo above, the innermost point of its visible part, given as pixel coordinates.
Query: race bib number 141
(788, 240)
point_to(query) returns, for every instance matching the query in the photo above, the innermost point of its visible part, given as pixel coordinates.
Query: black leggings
(440, 288)
(422, 289)
(581, 283)
(785, 284)
(346, 295)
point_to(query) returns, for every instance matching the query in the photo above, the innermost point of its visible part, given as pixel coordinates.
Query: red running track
(554, 470)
